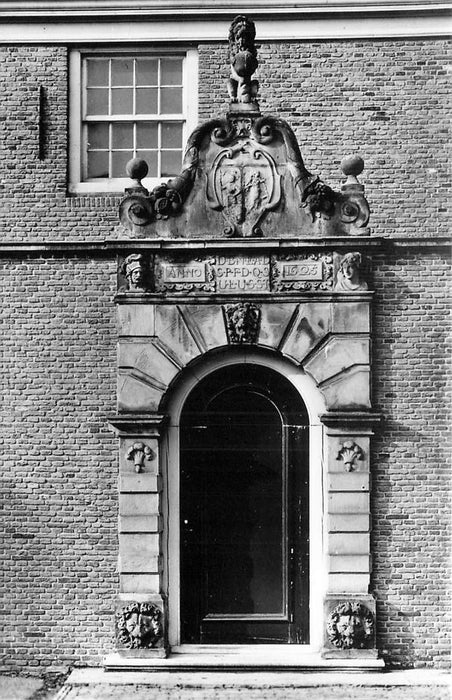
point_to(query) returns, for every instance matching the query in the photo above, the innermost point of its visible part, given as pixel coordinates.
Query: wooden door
(244, 510)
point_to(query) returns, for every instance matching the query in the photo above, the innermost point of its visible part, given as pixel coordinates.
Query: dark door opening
(244, 510)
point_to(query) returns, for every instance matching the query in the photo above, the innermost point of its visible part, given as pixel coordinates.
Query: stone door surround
(325, 335)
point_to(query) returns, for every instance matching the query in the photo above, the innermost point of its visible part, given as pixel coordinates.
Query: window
(125, 105)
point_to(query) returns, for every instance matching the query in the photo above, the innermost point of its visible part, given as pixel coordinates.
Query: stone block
(138, 504)
(349, 522)
(348, 481)
(348, 502)
(337, 355)
(146, 545)
(311, 325)
(351, 317)
(171, 329)
(349, 563)
(349, 390)
(274, 321)
(140, 523)
(136, 395)
(133, 483)
(136, 319)
(131, 563)
(148, 360)
(348, 583)
(139, 583)
(206, 323)
(349, 543)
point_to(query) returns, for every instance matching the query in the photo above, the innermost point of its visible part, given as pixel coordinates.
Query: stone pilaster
(348, 605)
(141, 605)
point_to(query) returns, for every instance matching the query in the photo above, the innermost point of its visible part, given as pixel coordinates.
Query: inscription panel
(242, 274)
(248, 273)
(190, 275)
(176, 273)
(302, 272)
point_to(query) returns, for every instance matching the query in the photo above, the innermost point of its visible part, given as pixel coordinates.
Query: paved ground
(341, 693)
(94, 684)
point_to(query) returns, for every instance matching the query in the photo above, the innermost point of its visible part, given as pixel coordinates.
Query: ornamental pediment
(243, 176)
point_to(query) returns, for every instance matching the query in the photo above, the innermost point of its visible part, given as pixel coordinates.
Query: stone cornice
(110, 248)
(130, 9)
(340, 419)
(107, 22)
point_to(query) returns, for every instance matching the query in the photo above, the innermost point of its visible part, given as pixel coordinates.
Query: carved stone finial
(138, 453)
(242, 322)
(139, 626)
(349, 277)
(350, 625)
(352, 166)
(349, 454)
(137, 169)
(243, 59)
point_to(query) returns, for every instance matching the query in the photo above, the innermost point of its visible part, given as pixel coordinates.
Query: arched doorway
(244, 510)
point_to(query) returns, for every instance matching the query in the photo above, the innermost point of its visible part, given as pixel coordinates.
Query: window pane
(97, 101)
(121, 101)
(171, 135)
(171, 101)
(146, 101)
(171, 71)
(146, 71)
(122, 71)
(97, 164)
(119, 161)
(171, 163)
(152, 160)
(97, 136)
(147, 135)
(122, 136)
(97, 72)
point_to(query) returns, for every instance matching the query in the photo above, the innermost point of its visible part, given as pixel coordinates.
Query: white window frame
(76, 184)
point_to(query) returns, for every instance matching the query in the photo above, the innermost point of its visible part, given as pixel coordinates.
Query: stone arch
(329, 341)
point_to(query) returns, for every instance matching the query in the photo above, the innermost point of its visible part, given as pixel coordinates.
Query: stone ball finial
(137, 169)
(352, 165)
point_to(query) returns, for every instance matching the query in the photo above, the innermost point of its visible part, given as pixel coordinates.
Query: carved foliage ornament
(138, 453)
(350, 453)
(242, 322)
(350, 625)
(139, 626)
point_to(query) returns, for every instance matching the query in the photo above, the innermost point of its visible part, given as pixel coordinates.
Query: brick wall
(411, 460)
(384, 99)
(59, 473)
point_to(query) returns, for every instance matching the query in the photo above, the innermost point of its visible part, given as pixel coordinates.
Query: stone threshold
(266, 679)
(240, 658)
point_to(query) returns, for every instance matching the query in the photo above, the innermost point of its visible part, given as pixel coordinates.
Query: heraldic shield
(243, 183)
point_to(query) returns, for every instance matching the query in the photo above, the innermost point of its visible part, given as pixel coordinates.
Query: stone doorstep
(265, 679)
(240, 658)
